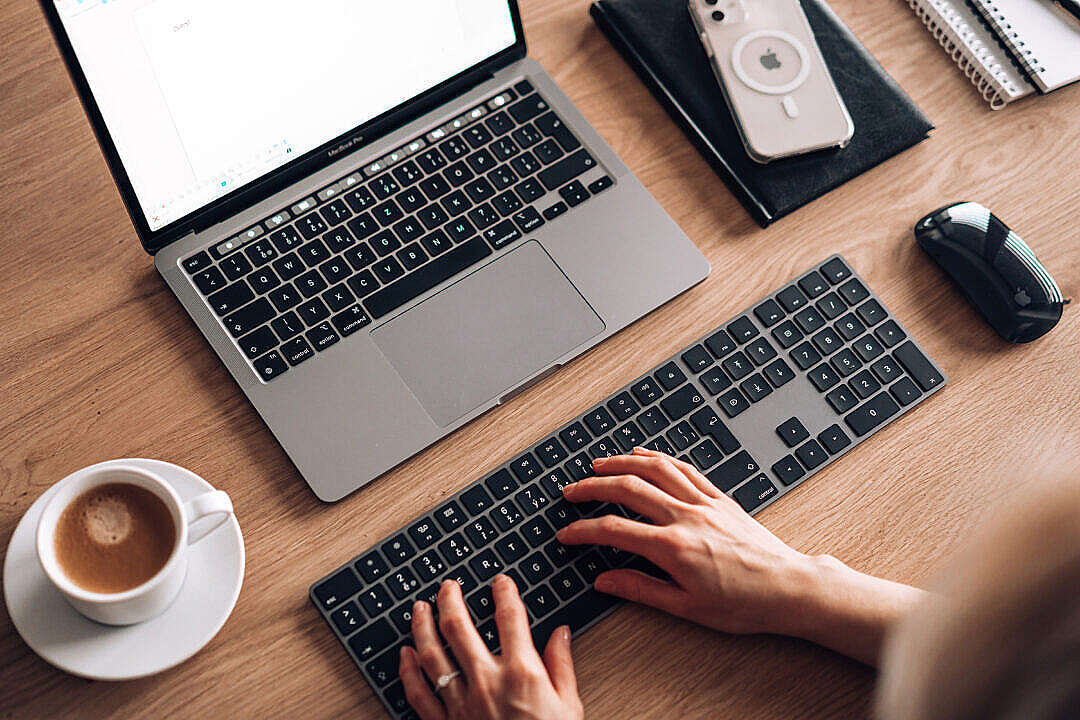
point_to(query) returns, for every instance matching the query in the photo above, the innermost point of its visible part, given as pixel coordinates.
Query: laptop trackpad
(483, 335)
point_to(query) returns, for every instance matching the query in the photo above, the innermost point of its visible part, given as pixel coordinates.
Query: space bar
(428, 276)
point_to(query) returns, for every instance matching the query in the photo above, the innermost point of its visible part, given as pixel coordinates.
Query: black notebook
(657, 38)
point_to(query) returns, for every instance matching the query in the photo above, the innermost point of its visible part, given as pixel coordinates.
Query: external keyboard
(758, 405)
(328, 265)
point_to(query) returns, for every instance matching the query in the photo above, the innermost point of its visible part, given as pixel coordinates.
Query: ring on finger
(444, 680)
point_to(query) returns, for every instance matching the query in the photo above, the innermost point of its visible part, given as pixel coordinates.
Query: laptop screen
(202, 97)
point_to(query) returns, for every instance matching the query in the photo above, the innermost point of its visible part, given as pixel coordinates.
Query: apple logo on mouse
(769, 60)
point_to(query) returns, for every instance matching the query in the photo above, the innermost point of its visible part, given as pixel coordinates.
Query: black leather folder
(657, 38)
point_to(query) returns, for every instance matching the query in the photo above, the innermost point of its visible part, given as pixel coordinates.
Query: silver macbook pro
(383, 216)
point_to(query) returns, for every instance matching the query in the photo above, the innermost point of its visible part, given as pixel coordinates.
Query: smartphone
(773, 76)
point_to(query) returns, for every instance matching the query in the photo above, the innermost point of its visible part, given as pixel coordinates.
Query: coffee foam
(106, 520)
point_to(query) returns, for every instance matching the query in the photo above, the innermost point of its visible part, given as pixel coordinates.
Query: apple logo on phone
(770, 61)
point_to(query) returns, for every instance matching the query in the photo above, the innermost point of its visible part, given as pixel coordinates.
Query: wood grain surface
(99, 361)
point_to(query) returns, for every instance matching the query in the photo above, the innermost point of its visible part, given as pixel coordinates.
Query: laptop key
(550, 124)
(297, 351)
(249, 317)
(235, 266)
(555, 210)
(526, 136)
(230, 298)
(350, 320)
(565, 170)
(258, 342)
(287, 326)
(322, 336)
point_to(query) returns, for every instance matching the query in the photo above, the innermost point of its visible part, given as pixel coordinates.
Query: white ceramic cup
(156, 594)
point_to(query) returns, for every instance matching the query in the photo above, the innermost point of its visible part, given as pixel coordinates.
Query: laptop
(384, 217)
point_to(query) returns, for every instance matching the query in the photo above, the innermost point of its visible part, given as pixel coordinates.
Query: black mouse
(995, 269)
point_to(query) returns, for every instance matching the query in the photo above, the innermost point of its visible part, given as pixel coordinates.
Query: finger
(629, 491)
(655, 469)
(635, 537)
(638, 587)
(417, 692)
(459, 631)
(560, 663)
(691, 473)
(510, 617)
(433, 659)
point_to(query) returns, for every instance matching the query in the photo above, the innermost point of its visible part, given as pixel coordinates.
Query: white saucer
(75, 644)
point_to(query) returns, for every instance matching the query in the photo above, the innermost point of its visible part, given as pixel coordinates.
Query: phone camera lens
(717, 15)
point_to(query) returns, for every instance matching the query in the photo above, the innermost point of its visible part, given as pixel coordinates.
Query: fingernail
(404, 654)
(599, 461)
(418, 607)
(568, 487)
(604, 584)
(564, 633)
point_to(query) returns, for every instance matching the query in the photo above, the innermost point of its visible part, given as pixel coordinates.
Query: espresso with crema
(114, 537)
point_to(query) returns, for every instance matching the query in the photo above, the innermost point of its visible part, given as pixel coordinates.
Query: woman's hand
(728, 572)
(516, 685)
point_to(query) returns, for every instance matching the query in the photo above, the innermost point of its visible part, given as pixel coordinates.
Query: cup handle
(215, 502)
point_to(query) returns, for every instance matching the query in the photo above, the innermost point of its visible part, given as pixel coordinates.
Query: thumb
(639, 587)
(560, 664)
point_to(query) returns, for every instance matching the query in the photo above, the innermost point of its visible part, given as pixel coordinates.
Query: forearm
(848, 611)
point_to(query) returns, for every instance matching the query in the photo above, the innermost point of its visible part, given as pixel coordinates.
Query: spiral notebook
(1040, 36)
(1007, 48)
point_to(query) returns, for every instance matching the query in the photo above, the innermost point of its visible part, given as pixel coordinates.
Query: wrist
(843, 609)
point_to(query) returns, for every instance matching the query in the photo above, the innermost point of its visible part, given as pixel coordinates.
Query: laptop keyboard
(818, 367)
(329, 264)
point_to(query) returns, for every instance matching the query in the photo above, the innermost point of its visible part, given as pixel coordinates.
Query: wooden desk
(98, 361)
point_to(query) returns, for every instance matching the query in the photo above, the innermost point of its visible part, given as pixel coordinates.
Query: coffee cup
(112, 512)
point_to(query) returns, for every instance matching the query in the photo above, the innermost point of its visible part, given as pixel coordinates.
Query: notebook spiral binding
(1004, 30)
(959, 53)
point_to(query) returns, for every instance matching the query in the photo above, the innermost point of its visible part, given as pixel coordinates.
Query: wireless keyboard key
(604, 447)
(779, 373)
(347, 618)
(755, 387)
(507, 515)
(905, 391)
(733, 471)
(886, 369)
(526, 467)
(575, 436)
(562, 513)
(646, 391)
(403, 583)
(682, 401)
(531, 499)
(918, 366)
(510, 548)
(398, 549)
(811, 455)
(733, 402)
(336, 589)
(834, 439)
(842, 399)
(372, 567)
(864, 384)
(890, 334)
(788, 470)
(579, 467)
(706, 455)
(810, 320)
(849, 326)
(481, 603)
(823, 377)
(720, 343)
(791, 298)
(485, 565)
(872, 413)
(629, 436)
(742, 330)
(787, 334)
(813, 284)
(375, 600)
(424, 533)
(792, 432)
(831, 306)
(540, 602)
(384, 669)
(715, 381)
(623, 406)
(854, 292)
(835, 271)
(429, 566)
(737, 365)
(372, 640)
(567, 583)
(755, 493)
(769, 313)
(480, 532)
(709, 423)
(578, 613)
